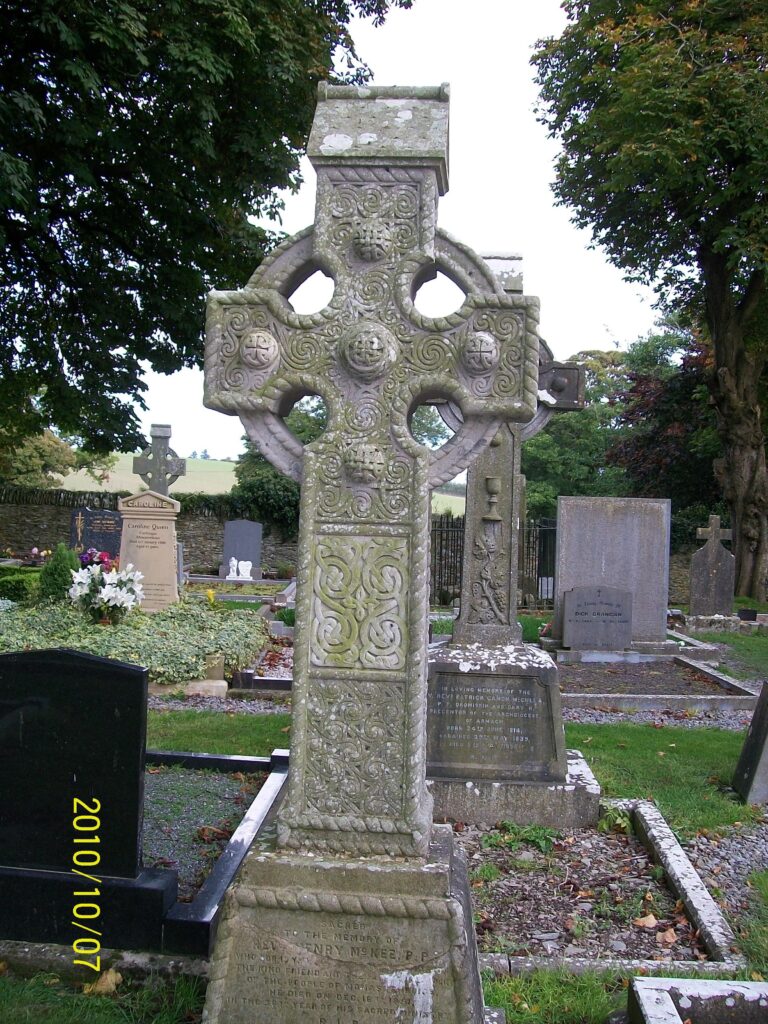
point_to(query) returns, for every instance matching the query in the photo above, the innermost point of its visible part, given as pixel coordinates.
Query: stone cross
(713, 531)
(488, 610)
(713, 573)
(158, 465)
(357, 775)
(375, 936)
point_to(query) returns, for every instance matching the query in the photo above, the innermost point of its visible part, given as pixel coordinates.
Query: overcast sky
(501, 166)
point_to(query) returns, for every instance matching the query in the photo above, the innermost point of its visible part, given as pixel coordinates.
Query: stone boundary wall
(23, 527)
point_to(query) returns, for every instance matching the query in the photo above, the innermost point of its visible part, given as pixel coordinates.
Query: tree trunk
(735, 392)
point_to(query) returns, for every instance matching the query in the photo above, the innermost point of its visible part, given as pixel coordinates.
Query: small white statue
(244, 570)
(232, 569)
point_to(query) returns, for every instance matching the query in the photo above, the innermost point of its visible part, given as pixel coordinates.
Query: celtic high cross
(357, 780)
(158, 465)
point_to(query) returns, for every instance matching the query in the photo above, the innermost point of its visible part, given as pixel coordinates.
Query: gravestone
(713, 573)
(363, 910)
(158, 465)
(617, 542)
(98, 528)
(597, 618)
(750, 780)
(242, 541)
(149, 544)
(72, 769)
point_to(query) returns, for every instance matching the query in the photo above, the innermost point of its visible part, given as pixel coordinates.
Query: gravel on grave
(652, 679)
(189, 816)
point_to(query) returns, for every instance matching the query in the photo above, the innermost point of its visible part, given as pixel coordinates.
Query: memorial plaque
(149, 544)
(597, 619)
(513, 715)
(73, 728)
(98, 528)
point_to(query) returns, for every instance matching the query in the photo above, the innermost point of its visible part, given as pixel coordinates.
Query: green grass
(557, 997)
(749, 651)
(750, 602)
(754, 932)
(531, 625)
(686, 771)
(45, 1000)
(210, 732)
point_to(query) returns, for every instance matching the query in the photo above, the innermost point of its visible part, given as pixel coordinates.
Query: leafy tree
(137, 141)
(661, 107)
(670, 441)
(43, 459)
(570, 455)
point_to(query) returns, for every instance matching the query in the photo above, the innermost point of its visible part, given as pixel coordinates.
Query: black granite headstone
(98, 528)
(72, 742)
(242, 541)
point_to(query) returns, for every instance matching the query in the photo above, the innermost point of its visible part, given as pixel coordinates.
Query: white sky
(501, 166)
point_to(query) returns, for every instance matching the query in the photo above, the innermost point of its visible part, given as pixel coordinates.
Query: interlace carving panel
(358, 584)
(355, 748)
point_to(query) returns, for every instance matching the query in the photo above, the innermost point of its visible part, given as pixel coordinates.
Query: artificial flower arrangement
(103, 591)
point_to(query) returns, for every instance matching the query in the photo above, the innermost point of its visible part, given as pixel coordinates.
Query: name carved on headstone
(597, 618)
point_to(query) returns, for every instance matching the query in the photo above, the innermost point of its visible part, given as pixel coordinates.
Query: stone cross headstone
(98, 528)
(351, 916)
(488, 609)
(158, 465)
(750, 780)
(713, 573)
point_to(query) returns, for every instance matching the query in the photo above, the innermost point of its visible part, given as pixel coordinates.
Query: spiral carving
(345, 903)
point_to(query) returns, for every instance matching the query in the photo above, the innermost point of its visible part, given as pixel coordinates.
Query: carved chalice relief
(368, 350)
(488, 592)
(259, 349)
(480, 353)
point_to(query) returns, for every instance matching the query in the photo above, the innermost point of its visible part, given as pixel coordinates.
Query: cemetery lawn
(44, 999)
(746, 654)
(171, 644)
(210, 732)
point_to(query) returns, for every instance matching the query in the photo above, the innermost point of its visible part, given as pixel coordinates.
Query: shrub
(21, 587)
(286, 615)
(56, 574)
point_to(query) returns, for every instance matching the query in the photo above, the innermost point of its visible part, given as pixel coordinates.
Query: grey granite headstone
(616, 542)
(242, 541)
(713, 573)
(362, 912)
(597, 618)
(98, 528)
(750, 780)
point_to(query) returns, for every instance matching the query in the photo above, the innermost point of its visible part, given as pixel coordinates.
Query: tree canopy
(661, 107)
(137, 140)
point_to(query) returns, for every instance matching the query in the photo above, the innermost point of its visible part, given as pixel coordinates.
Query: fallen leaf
(649, 921)
(756, 976)
(106, 984)
(666, 938)
(286, 729)
(661, 753)
(3, 967)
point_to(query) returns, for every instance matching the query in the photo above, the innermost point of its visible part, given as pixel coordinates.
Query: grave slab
(750, 780)
(609, 542)
(674, 1000)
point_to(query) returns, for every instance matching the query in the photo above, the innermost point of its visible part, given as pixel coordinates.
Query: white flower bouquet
(106, 595)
